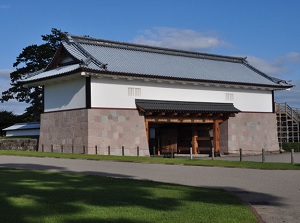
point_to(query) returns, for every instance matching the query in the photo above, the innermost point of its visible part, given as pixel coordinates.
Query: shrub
(288, 146)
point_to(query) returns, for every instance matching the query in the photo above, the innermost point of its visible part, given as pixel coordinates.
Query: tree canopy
(33, 58)
(7, 119)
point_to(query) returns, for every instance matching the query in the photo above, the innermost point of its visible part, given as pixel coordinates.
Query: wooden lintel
(179, 119)
(219, 120)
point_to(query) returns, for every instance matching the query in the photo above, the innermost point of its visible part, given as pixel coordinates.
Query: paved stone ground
(275, 194)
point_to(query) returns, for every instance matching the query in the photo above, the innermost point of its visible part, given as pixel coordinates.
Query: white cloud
(268, 67)
(4, 72)
(292, 57)
(11, 105)
(14, 106)
(4, 79)
(291, 97)
(282, 67)
(185, 39)
(279, 66)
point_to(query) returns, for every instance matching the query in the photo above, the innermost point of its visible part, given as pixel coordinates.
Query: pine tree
(33, 58)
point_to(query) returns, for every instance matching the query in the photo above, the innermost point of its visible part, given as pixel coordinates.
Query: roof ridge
(89, 57)
(155, 49)
(273, 79)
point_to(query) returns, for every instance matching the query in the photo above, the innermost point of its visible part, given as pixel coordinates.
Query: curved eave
(153, 107)
(155, 78)
(193, 81)
(54, 78)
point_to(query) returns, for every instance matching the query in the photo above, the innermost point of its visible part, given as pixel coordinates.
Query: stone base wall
(66, 129)
(107, 131)
(92, 131)
(117, 128)
(19, 144)
(251, 132)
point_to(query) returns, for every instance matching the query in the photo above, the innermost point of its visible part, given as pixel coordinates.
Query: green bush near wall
(288, 146)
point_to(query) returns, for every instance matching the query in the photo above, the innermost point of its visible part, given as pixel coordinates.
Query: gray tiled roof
(180, 106)
(55, 72)
(131, 59)
(23, 126)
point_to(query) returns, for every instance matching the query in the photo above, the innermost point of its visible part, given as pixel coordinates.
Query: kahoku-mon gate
(181, 125)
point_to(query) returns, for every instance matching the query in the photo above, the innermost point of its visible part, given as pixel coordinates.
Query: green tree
(32, 59)
(7, 119)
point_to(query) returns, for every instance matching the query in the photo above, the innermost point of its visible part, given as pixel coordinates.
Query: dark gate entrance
(181, 125)
(179, 137)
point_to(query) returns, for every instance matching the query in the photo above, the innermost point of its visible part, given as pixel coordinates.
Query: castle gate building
(111, 97)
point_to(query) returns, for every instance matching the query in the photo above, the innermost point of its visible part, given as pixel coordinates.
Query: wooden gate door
(168, 139)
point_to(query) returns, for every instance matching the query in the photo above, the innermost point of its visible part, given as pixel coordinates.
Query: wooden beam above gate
(185, 112)
(171, 119)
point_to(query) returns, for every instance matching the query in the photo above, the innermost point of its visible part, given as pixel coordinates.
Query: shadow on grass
(33, 196)
(255, 198)
(26, 196)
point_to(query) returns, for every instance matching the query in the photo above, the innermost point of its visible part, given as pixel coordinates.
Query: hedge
(288, 146)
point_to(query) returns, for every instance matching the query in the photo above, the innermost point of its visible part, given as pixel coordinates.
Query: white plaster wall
(108, 93)
(69, 94)
(32, 132)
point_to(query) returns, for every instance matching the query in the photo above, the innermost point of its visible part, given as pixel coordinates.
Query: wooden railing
(291, 112)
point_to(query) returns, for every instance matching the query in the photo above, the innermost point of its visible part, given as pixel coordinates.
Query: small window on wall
(134, 92)
(130, 91)
(137, 92)
(229, 97)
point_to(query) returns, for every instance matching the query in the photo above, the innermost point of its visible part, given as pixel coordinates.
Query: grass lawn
(179, 161)
(43, 197)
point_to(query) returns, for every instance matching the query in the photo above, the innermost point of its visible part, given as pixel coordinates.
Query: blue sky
(265, 31)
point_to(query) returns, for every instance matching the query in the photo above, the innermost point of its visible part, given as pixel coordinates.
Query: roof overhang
(23, 126)
(70, 71)
(103, 58)
(182, 81)
(56, 75)
(186, 110)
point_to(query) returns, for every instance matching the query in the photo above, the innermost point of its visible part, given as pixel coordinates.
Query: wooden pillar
(194, 139)
(147, 129)
(216, 136)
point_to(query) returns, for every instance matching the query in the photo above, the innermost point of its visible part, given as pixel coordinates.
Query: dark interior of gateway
(178, 138)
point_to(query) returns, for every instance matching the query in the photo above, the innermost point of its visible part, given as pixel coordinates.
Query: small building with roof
(101, 94)
(23, 129)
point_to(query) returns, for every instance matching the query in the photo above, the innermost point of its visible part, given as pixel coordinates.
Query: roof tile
(182, 106)
(133, 59)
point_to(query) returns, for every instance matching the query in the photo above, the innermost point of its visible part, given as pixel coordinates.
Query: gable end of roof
(273, 79)
(89, 57)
